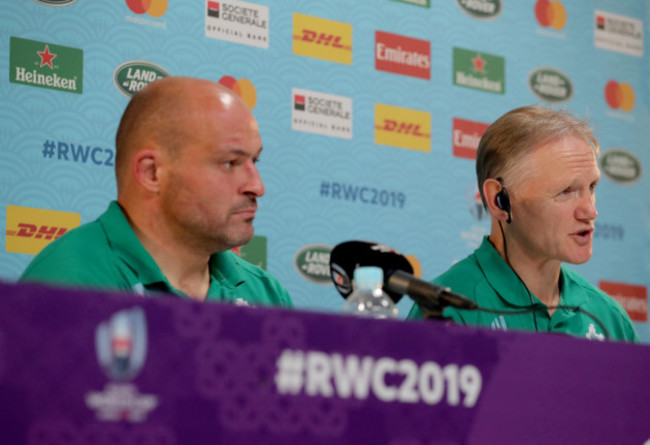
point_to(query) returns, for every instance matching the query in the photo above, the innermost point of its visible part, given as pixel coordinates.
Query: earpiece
(503, 200)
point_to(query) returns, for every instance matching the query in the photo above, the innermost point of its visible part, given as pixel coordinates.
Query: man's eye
(229, 164)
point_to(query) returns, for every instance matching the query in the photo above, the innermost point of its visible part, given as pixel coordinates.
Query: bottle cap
(368, 277)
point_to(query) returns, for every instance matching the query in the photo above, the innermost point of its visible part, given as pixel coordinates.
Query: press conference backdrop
(370, 114)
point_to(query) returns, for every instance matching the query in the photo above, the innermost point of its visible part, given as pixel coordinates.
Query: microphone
(398, 276)
(347, 256)
(425, 293)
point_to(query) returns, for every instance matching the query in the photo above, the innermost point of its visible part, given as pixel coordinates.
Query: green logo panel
(479, 70)
(46, 65)
(255, 251)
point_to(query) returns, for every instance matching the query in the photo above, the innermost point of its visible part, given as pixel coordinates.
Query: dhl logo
(29, 230)
(402, 127)
(322, 38)
(45, 232)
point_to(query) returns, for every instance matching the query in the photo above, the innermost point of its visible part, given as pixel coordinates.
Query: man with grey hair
(537, 173)
(187, 190)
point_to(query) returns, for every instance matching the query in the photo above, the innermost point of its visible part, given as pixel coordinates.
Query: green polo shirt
(106, 254)
(486, 278)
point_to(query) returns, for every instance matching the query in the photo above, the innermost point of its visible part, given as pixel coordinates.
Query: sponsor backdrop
(370, 113)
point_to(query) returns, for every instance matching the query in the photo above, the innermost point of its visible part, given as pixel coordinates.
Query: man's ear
(491, 188)
(146, 169)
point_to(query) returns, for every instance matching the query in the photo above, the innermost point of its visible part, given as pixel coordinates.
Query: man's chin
(240, 241)
(579, 259)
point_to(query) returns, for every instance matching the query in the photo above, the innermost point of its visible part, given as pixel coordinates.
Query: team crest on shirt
(593, 335)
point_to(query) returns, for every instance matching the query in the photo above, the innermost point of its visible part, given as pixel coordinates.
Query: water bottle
(368, 298)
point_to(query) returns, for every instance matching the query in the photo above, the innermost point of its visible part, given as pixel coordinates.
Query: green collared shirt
(106, 254)
(486, 278)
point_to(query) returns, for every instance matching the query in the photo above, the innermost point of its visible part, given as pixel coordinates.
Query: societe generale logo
(402, 55)
(322, 38)
(619, 96)
(402, 127)
(155, 8)
(550, 13)
(29, 230)
(633, 298)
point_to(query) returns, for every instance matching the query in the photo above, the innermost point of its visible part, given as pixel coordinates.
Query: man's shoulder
(75, 243)
(463, 273)
(77, 250)
(592, 292)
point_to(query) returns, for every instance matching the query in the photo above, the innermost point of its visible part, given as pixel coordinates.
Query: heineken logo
(480, 9)
(477, 70)
(620, 166)
(550, 85)
(46, 65)
(130, 77)
(56, 2)
(313, 263)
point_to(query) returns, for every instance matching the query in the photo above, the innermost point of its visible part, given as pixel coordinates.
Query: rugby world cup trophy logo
(121, 344)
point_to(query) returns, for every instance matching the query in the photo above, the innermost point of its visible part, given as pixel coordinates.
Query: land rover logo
(56, 2)
(313, 263)
(550, 85)
(481, 9)
(132, 76)
(620, 166)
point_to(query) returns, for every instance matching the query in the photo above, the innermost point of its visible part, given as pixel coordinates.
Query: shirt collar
(128, 248)
(510, 287)
(124, 242)
(224, 269)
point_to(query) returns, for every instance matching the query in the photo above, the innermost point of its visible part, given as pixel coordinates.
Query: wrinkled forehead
(552, 157)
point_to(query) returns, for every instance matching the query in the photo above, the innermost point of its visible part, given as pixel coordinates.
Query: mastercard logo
(243, 88)
(550, 14)
(155, 8)
(619, 95)
(415, 264)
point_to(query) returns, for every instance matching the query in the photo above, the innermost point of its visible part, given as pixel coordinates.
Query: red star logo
(479, 64)
(46, 57)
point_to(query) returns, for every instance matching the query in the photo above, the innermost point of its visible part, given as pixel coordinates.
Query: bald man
(187, 189)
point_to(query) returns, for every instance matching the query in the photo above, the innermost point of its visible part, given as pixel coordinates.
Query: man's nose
(254, 185)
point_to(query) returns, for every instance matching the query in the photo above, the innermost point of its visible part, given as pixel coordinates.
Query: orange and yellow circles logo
(619, 95)
(550, 14)
(243, 88)
(415, 263)
(155, 8)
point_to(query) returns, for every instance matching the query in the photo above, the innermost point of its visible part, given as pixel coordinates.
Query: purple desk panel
(94, 368)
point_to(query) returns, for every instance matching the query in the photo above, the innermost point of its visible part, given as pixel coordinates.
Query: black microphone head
(347, 256)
